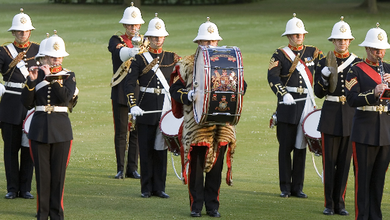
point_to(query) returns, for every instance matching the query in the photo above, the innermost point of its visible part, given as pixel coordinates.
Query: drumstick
(149, 112)
(297, 100)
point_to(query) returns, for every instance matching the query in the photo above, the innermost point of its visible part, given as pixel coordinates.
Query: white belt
(49, 108)
(370, 108)
(152, 90)
(299, 90)
(332, 98)
(14, 85)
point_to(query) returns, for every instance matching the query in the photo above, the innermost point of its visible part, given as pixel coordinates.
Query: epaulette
(311, 46)
(67, 70)
(35, 42)
(118, 33)
(6, 43)
(353, 64)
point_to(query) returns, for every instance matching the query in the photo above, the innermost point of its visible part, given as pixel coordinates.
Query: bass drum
(313, 137)
(218, 83)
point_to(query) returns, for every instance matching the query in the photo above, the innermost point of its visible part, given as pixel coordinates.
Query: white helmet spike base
(132, 15)
(207, 31)
(21, 22)
(341, 30)
(376, 38)
(294, 26)
(156, 28)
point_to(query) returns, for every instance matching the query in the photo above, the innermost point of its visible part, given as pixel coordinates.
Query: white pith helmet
(295, 26)
(42, 47)
(376, 38)
(55, 47)
(341, 30)
(132, 15)
(156, 28)
(208, 31)
(21, 22)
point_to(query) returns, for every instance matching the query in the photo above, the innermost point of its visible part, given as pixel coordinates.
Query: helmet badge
(210, 29)
(56, 46)
(343, 29)
(380, 36)
(158, 26)
(299, 24)
(23, 20)
(134, 14)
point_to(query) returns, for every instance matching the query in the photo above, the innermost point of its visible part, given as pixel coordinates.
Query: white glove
(2, 90)
(136, 111)
(191, 95)
(288, 99)
(126, 53)
(325, 71)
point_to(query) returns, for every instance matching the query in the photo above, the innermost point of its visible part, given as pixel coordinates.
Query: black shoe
(26, 195)
(119, 175)
(299, 195)
(342, 212)
(214, 213)
(10, 195)
(161, 194)
(195, 214)
(285, 194)
(145, 195)
(328, 211)
(134, 175)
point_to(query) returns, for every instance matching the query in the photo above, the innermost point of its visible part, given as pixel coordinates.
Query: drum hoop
(304, 120)
(24, 121)
(206, 58)
(159, 124)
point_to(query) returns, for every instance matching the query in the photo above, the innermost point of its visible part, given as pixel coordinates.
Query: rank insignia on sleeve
(351, 83)
(273, 63)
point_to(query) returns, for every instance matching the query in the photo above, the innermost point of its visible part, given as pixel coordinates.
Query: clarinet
(382, 73)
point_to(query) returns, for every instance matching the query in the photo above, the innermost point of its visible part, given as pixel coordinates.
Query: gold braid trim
(149, 66)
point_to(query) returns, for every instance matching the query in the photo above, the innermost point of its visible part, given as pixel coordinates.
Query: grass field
(91, 192)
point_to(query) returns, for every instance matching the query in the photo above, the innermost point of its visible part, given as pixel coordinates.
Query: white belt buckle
(157, 91)
(49, 109)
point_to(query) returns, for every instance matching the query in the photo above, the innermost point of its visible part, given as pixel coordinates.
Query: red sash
(127, 41)
(370, 72)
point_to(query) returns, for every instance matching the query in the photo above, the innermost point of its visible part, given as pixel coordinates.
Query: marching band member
(49, 89)
(15, 59)
(336, 120)
(290, 76)
(371, 124)
(122, 50)
(203, 146)
(152, 69)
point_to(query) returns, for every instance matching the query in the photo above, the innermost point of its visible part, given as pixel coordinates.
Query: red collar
(341, 56)
(371, 63)
(55, 69)
(296, 48)
(25, 45)
(155, 51)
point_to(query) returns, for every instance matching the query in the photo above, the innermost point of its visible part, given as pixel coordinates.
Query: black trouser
(291, 174)
(50, 162)
(336, 161)
(153, 162)
(120, 113)
(371, 163)
(18, 177)
(204, 189)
